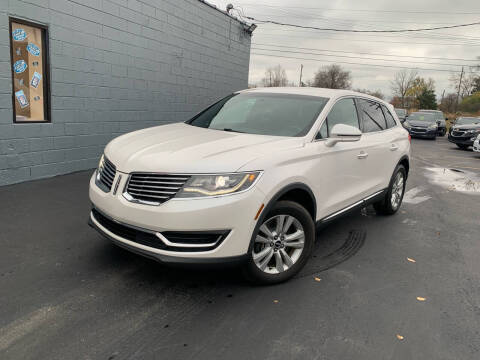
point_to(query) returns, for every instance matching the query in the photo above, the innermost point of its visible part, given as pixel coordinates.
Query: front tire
(281, 244)
(462, 146)
(390, 204)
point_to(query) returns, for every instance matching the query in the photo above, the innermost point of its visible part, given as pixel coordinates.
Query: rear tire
(392, 201)
(278, 256)
(462, 146)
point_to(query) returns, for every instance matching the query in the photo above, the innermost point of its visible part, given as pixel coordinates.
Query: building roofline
(224, 12)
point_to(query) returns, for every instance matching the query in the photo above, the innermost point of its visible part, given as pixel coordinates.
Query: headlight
(214, 185)
(406, 124)
(433, 126)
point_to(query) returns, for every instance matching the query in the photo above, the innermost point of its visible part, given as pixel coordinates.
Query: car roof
(430, 111)
(422, 113)
(312, 91)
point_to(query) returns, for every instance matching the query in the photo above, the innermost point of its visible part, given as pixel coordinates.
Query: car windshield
(262, 113)
(428, 117)
(401, 112)
(467, 120)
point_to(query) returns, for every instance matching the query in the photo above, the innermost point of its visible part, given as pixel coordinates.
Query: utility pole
(459, 87)
(301, 71)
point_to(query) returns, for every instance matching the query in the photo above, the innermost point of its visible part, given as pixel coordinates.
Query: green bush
(471, 103)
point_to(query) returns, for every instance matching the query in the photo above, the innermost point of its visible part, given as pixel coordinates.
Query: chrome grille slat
(157, 182)
(107, 174)
(144, 190)
(149, 196)
(149, 177)
(154, 188)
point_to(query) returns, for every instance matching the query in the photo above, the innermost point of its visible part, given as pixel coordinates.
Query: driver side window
(343, 112)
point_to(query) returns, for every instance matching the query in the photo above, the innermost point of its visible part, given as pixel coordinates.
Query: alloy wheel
(397, 190)
(279, 243)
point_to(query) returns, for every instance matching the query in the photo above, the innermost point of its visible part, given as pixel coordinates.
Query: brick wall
(116, 66)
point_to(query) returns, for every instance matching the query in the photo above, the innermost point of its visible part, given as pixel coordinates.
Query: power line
(420, 35)
(364, 53)
(360, 31)
(376, 41)
(356, 57)
(368, 10)
(310, 17)
(353, 63)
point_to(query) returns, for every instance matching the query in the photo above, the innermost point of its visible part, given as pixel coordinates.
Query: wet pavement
(399, 287)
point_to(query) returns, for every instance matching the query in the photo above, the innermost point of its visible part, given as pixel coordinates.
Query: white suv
(248, 179)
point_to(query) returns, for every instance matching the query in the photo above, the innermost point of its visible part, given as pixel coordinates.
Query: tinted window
(372, 115)
(388, 116)
(422, 116)
(343, 112)
(262, 113)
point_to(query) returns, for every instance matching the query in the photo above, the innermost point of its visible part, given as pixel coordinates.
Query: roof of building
(223, 12)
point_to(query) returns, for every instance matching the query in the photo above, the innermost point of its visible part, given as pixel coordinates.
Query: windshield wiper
(231, 130)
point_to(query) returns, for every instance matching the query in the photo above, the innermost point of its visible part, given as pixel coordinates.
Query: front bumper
(234, 213)
(428, 133)
(462, 140)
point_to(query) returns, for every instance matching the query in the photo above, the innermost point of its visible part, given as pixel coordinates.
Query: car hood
(420, 123)
(466, 127)
(182, 148)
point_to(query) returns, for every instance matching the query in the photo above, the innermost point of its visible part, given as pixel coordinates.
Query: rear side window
(388, 117)
(343, 112)
(372, 116)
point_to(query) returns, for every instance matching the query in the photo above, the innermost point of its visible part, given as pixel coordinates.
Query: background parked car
(422, 124)
(440, 117)
(402, 114)
(464, 132)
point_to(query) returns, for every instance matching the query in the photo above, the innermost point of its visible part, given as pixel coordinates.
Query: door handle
(362, 155)
(394, 147)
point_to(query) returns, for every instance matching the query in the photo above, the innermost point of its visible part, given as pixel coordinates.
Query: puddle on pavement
(454, 179)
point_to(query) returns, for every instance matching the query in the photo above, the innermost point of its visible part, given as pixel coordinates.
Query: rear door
(380, 144)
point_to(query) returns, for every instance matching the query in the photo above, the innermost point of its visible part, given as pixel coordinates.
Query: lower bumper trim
(168, 259)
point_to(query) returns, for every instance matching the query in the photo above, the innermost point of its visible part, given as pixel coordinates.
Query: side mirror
(343, 133)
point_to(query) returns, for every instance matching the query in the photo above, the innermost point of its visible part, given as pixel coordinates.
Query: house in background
(75, 74)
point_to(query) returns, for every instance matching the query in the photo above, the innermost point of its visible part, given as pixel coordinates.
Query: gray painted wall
(116, 66)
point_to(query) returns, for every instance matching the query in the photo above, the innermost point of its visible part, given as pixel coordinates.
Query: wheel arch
(405, 161)
(289, 192)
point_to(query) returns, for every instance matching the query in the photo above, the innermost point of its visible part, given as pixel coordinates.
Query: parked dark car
(422, 124)
(402, 114)
(464, 132)
(440, 117)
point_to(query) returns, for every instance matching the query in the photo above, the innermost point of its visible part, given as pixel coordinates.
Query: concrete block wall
(116, 66)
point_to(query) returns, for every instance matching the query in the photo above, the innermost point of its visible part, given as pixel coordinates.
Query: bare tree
(275, 77)
(401, 84)
(448, 103)
(332, 77)
(467, 86)
(377, 93)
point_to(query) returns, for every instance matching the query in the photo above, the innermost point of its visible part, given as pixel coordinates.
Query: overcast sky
(461, 43)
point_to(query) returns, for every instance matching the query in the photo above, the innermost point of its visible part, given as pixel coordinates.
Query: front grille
(107, 174)
(178, 239)
(155, 188)
(419, 130)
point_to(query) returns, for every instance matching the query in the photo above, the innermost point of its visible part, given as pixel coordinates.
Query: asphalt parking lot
(400, 287)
